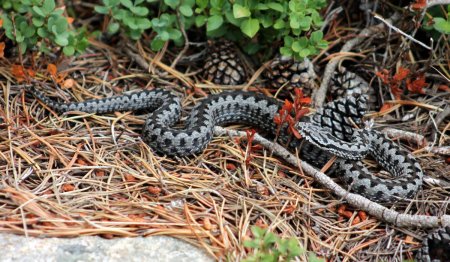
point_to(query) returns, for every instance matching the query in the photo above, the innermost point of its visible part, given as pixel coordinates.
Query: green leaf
(143, 23)
(127, 3)
(172, 3)
(261, 6)
(304, 52)
(258, 232)
(214, 22)
(250, 27)
(441, 25)
(279, 24)
(42, 32)
(101, 9)
(316, 36)
(29, 31)
(240, 11)
(164, 36)
(294, 247)
(38, 21)
(305, 23)
(218, 4)
(294, 22)
(286, 51)
(251, 243)
(200, 20)
(266, 21)
(186, 10)
(174, 34)
(23, 47)
(313, 258)
(48, 6)
(19, 37)
(276, 6)
(202, 4)
(38, 11)
(269, 239)
(139, 10)
(113, 27)
(157, 44)
(69, 50)
(61, 40)
(231, 19)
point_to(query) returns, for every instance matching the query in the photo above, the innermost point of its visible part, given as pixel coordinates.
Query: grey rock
(91, 248)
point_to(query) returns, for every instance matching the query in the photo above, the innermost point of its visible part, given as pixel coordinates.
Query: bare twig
(398, 30)
(431, 3)
(358, 201)
(186, 41)
(409, 136)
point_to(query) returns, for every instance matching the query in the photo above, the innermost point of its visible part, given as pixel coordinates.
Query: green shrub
(292, 24)
(295, 22)
(35, 22)
(269, 247)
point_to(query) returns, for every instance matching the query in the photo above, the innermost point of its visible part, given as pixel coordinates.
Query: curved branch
(357, 201)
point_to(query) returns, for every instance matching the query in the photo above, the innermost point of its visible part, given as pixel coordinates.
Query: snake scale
(326, 133)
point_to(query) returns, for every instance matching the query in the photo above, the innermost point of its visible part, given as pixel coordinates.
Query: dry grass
(81, 174)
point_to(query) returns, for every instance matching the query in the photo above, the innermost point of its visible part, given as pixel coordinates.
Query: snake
(329, 132)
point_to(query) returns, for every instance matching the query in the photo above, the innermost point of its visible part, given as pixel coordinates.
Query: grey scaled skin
(329, 131)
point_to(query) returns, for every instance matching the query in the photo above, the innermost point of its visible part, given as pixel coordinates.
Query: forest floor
(86, 174)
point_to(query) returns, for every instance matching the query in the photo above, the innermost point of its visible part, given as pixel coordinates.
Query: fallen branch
(431, 3)
(357, 201)
(405, 135)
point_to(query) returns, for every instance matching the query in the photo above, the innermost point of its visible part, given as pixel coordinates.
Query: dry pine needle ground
(81, 174)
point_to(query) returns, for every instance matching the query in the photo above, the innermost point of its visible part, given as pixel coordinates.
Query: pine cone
(223, 65)
(284, 70)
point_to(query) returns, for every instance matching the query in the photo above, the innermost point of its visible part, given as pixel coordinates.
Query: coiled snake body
(328, 132)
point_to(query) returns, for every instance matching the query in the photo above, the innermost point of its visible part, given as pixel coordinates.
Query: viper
(330, 131)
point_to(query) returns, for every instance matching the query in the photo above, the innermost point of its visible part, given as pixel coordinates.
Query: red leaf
(419, 5)
(396, 91)
(295, 132)
(417, 85)
(305, 100)
(52, 70)
(401, 74)
(383, 75)
(18, 72)
(2, 49)
(301, 113)
(298, 93)
(287, 105)
(277, 120)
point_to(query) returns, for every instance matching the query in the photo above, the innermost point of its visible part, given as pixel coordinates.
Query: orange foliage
(20, 73)
(290, 113)
(419, 4)
(413, 82)
(52, 70)
(2, 49)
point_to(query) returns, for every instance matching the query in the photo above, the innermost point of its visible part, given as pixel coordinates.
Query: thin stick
(357, 201)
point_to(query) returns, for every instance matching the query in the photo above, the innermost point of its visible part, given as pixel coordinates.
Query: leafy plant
(295, 22)
(269, 247)
(442, 24)
(131, 15)
(436, 20)
(36, 22)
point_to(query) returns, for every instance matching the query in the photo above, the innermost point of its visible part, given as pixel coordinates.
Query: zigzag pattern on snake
(329, 131)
